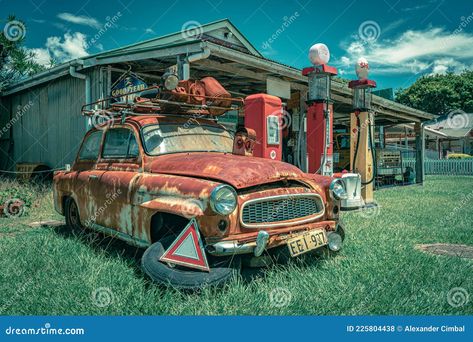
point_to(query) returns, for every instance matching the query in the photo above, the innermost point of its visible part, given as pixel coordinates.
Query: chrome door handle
(93, 177)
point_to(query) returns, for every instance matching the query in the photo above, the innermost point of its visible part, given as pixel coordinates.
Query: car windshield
(189, 137)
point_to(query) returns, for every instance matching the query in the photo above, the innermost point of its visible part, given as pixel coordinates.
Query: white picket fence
(451, 167)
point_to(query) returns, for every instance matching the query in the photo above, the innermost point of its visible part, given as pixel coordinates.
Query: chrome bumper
(232, 247)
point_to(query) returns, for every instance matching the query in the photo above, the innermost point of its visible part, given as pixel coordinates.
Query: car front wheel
(222, 269)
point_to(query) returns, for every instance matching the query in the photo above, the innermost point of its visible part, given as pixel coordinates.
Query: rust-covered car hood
(238, 171)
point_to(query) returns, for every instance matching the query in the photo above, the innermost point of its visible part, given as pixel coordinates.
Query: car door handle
(93, 177)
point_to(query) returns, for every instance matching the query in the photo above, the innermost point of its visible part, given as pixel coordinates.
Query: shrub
(459, 156)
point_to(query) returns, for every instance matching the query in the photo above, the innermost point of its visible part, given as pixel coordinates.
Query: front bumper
(246, 243)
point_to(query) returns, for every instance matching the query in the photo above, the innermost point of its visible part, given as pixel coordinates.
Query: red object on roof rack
(202, 97)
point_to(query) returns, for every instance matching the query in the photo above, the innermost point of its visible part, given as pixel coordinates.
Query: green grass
(47, 271)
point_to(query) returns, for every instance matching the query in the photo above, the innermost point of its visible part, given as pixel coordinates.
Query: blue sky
(401, 39)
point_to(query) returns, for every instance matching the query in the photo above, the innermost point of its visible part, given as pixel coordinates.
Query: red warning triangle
(187, 249)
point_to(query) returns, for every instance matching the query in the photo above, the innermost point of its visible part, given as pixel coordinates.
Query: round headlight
(223, 200)
(337, 188)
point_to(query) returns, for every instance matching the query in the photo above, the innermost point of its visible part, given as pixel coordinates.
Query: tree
(16, 61)
(440, 94)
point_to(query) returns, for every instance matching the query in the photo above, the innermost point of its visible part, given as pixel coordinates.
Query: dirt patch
(461, 251)
(10, 234)
(46, 223)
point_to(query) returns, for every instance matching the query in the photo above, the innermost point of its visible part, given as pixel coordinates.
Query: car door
(121, 160)
(87, 175)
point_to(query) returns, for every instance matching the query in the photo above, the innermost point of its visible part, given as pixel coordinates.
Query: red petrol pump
(319, 112)
(263, 114)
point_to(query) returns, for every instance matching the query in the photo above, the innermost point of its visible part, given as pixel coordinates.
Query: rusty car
(189, 192)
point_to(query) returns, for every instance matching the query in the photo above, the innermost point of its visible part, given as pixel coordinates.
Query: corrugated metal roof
(167, 41)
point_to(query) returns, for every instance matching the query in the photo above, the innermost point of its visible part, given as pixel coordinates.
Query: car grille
(281, 208)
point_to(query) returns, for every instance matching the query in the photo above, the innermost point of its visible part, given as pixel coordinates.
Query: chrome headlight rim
(338, 190)
(214, 205)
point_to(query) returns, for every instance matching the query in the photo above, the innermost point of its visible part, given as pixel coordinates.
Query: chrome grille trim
(298, 204)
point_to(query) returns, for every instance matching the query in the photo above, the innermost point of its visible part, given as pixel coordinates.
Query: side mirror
(244, 142)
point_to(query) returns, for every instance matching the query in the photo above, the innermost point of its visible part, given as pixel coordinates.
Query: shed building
(40, 116)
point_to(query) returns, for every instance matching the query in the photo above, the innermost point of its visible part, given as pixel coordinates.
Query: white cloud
(42, 56)
(414, 8)
(150, 31)
(62, 49)
(441, 66)
(433, 50)
(439, 69)
(345, 60)
(80, 20)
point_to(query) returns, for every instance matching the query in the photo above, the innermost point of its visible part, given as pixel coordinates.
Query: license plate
(307, 242)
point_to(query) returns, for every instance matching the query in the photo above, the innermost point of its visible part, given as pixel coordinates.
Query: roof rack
(152, 106)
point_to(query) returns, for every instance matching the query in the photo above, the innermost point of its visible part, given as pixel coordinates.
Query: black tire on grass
(71, 212)
(222, 269)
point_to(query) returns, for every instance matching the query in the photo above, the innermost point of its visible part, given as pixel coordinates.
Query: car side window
(91, 147)
(120, 143)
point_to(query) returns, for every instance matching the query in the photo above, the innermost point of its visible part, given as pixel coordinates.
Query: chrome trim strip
(119, 235)
(281, 223)
(230, 248)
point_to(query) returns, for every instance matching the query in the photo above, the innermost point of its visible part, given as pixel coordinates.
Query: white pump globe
(362, 68)
(319, 54)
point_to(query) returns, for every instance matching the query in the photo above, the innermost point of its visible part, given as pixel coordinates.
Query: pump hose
(373, 151)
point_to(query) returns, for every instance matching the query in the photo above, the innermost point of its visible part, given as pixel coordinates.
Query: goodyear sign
(128, 84)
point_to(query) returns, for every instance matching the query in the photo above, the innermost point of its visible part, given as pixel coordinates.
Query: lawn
(48, 271)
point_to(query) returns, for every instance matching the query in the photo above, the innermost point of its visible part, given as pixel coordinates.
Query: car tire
(222, 269)
(71, 213)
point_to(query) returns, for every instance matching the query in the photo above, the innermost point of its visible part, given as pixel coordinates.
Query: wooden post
(439, 151)
(382, 137)
(420, 146)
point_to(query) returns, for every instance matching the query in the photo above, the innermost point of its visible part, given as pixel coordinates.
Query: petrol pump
(362, 149)
(319, 111)
(263, 114)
